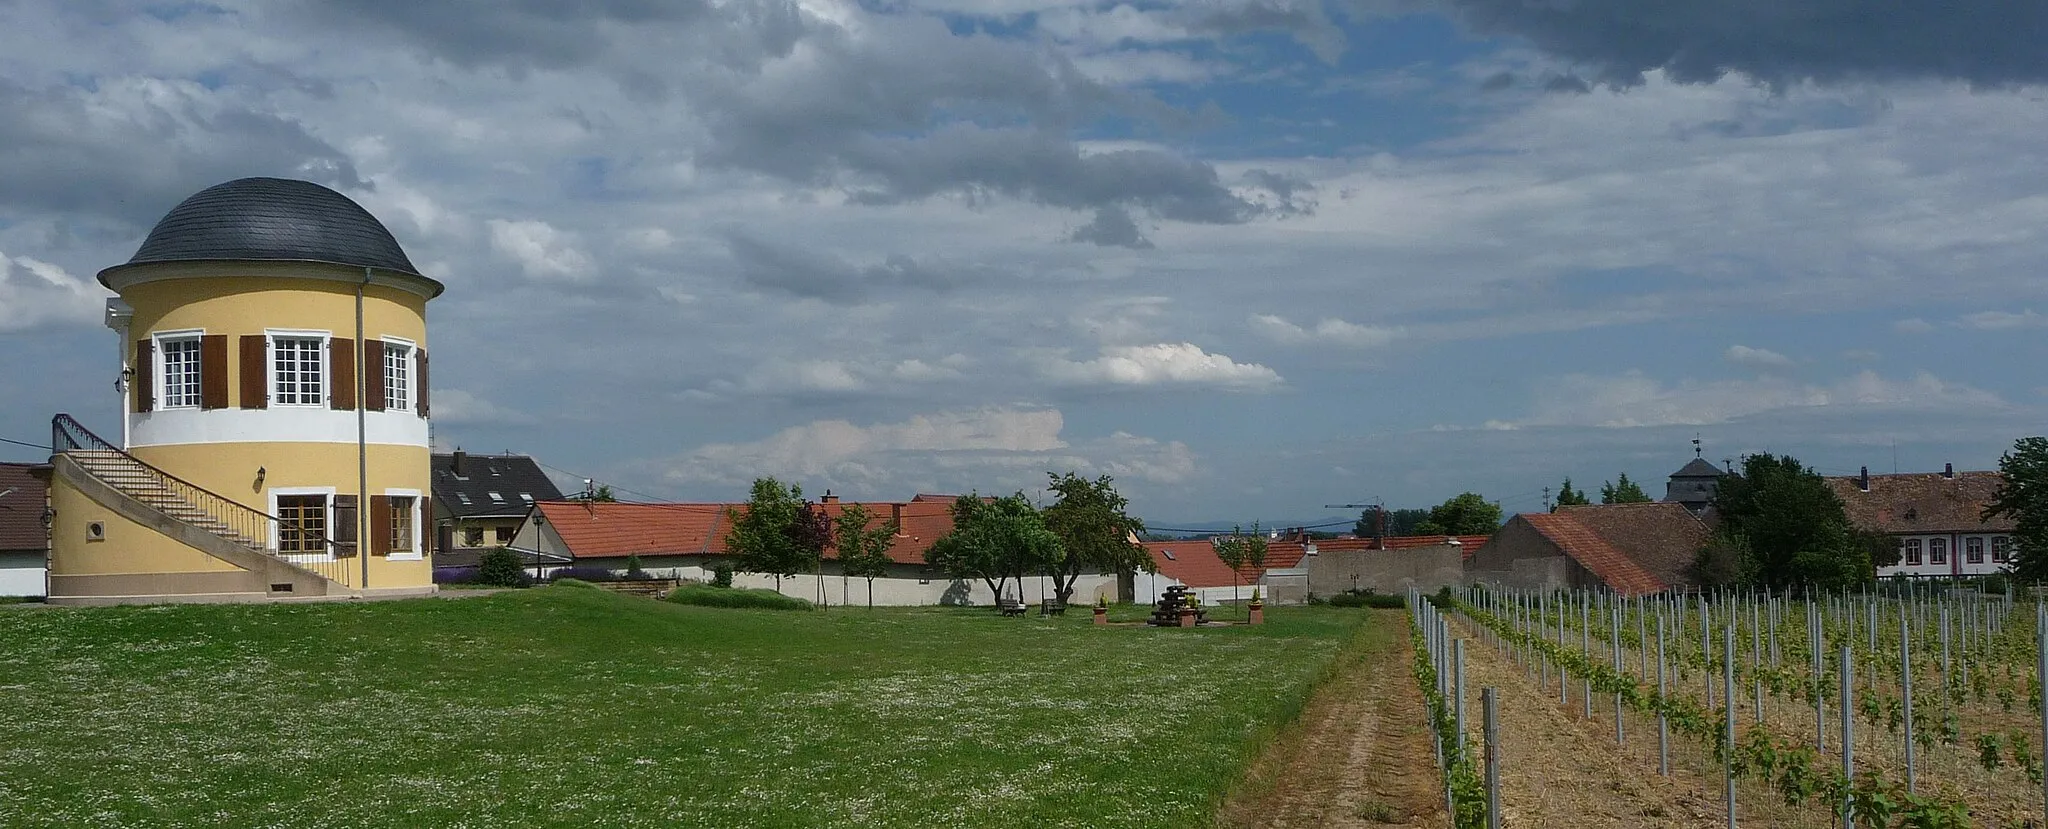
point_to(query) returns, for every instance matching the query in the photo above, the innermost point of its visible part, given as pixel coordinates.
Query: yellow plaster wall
(229, 469)
(252, 297)
(129, 547)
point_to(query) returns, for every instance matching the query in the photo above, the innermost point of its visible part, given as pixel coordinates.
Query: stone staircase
(212, 524)
(145, 483)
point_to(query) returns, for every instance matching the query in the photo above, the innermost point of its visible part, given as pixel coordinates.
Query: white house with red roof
(687, 540)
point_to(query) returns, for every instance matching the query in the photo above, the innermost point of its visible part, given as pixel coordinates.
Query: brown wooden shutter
(144, 377)
(380, 525)
(213, 371)
(373, 377)
(341, 363)
(344, 530)
(255, 371)
(420, 358)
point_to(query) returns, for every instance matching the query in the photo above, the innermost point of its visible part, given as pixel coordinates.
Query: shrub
(633, 571)
(1995, 584)
(576, 583)
(455, 575)
(721, 574)
(1443, 598)
(500, 567)
(1367, 598)
(712, 596)
(584, 574)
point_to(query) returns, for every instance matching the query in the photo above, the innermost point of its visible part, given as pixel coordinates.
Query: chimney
(829, 498)
(1863, 479)
(896, 517)
(1948, 470)
(459, 456)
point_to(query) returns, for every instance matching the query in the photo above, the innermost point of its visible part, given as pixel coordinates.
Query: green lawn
(562, 706)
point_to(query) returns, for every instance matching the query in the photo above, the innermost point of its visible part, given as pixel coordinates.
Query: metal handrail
(225, 517)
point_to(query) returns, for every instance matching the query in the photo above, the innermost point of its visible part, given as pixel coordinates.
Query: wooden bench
(1010, 607)
(1052, 607)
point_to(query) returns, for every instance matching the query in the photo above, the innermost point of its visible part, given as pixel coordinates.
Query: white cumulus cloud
(2003, 320)
(1636, 399)
(1162, 364)
(541, 251)
(34, 292)
(1756, 358)
(1330, 331)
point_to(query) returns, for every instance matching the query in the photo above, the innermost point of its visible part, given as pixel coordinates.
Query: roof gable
(1660, 537)
(1602, 559)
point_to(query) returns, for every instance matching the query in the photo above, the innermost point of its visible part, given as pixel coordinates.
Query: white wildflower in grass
(555, 707)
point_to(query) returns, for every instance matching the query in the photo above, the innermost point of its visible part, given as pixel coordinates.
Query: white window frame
(418, 552)
(400, 397)
(2001, 549)
(1944, 551)
(161, 371)
(1974, 545)
(305, 490)
(1910, 555)
(326, 338)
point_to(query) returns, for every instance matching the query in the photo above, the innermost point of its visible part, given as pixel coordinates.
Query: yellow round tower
(275, 427)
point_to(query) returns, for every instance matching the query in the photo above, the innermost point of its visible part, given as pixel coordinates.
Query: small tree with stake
(864, 550)
(1237, 550)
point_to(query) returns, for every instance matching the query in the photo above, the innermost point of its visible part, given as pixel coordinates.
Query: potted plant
(1187, 610)
(1257, 608)
(1101, 609)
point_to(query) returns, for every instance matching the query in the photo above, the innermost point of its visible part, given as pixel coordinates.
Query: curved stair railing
(199, 507)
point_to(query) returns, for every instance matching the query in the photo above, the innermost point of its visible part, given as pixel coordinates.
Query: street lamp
(539, 541)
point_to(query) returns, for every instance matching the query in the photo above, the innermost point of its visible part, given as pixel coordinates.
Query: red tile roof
(1194, 563)
(1603, 559)
(21, 511)
(613, 530)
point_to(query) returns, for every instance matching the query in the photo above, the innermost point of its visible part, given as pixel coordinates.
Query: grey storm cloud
(893, 110)
(1303, 19)
(1111, 227)
(1779, 42)
(814, 275)
(75, 151)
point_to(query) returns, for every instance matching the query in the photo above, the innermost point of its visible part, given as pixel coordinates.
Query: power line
(43, 446)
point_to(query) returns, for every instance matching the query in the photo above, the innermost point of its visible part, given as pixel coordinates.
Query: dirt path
(1359, 756)
(1560, 768)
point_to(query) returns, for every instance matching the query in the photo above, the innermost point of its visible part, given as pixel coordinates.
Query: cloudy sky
(1248, 256)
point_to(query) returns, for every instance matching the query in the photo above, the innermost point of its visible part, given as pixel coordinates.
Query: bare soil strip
(1359, 756)
(1560, 768)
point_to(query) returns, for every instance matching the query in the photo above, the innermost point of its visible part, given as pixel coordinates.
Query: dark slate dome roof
(272, 219)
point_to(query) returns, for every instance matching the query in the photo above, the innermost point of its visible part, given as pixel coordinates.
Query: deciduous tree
(1466, 514)
(1794, 528)
(778, 534)
(1398, 522)
(1095, 531)
(864, 550)
(994, 541)
(2023, 496)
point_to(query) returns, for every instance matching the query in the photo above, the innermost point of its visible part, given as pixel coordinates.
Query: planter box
(1187, 617)
(1258, 614)
(1101, 616)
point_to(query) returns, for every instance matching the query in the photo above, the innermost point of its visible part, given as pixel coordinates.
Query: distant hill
(1339, 523)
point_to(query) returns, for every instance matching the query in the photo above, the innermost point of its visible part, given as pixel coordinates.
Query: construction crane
(1379, 508)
